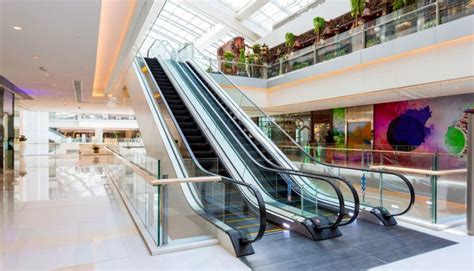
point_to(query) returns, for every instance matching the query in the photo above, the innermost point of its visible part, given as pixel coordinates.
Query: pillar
(470, 174)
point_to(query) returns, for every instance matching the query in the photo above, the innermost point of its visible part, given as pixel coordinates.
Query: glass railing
(366, 158)
(439, 179)
(406, 21)
(216, 199)
(89, 116)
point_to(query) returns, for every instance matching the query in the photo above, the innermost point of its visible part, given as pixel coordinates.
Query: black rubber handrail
(404, 179)
(258, 196)
(354, 193)
(337, 190)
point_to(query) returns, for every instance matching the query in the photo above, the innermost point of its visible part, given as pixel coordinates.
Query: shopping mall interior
(237, 135)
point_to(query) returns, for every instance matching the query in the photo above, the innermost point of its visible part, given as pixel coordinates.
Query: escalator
(317, 219)
(385, 195)
(234, 208)
(237, 214)
(259, 153)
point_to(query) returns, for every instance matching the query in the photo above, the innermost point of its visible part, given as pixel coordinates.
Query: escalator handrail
(404, 179)
(253, 189)
(337, 190)
(286, 170)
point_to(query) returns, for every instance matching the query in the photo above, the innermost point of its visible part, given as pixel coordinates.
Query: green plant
(229, 57)
(257, 49)
(372, 41)
(398, 4)
(290, 40)
(241, 61)
(357, 8)
(318, 23)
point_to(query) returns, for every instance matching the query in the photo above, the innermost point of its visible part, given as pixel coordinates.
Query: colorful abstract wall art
(339, 126)
(424, 125)
(359, 135)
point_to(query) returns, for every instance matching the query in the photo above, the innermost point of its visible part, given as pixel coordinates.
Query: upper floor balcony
(386, 28)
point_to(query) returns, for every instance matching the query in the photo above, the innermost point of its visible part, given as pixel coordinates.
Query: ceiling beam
(216, 32)
(251, 9)
(224, 15)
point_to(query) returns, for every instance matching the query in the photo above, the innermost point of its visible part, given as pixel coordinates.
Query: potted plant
(228, 58)
(257, 49)
(241, 66)
(96, 149)
(289, 41)
(265, 53)
(318, 23)
(22, 140)
(357, 9)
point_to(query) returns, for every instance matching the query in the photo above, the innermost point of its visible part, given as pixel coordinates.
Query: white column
(99, 135)
(35, 127)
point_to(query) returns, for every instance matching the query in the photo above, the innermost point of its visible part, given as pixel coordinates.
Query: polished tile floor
(62, 213)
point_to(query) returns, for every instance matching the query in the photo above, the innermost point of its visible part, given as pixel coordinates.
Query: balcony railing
(397, 24)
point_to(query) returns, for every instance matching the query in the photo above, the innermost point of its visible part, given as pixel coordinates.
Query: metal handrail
(258, 196)
(407, 182)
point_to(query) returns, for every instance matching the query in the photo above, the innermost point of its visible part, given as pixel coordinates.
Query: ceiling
(58, 43)
(209, 24)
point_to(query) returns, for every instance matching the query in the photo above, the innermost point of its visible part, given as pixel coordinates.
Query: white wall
(35, 127)
(328, 10)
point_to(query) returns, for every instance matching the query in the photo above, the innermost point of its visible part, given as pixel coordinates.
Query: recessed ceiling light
(46, 74)
(36, 57)
(17, 28)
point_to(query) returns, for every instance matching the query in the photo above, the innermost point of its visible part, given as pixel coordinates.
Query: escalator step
(205, 154)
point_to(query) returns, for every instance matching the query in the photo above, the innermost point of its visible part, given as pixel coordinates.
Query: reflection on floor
(63, 213)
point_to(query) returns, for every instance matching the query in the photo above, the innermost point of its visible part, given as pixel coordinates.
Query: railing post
(470, 173)
(315, 56)
(281, 67)
(437, 12)
(434, 191)
(364, 45)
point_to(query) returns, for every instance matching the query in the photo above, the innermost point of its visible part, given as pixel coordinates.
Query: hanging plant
(318, 23)
(357, 8)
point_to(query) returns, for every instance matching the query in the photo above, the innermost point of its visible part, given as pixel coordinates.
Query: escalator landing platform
(363, 245)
